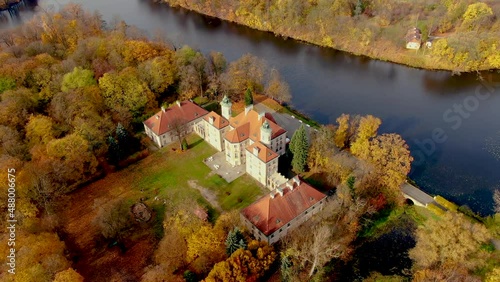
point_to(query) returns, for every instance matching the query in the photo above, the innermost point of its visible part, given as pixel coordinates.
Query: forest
(463, 33)
(74, 92)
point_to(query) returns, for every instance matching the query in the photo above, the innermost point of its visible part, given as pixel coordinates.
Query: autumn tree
(138, 51)
(327, 235)
(113, 219)
(15, 107)
(39, 257)
(126, 90)
(391, 155)
(83, 110)
(6, 83)
(217, 65)
(71, 159)
(368, 126)
(79, 77)
(205, 248)
(341, 133)
(322, 147)
(192, 71)
(160, 72)
(476, 15)
(299, 147)
(68, 275)
(12, 143)
(244, 265)
(277, 88)
(40, 130)
(450, 242)
(244, 73)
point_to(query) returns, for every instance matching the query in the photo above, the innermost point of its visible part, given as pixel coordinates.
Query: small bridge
(418, 197)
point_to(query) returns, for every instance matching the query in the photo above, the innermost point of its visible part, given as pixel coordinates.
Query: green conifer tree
(299, 148)
(235, 241)
(248, 97)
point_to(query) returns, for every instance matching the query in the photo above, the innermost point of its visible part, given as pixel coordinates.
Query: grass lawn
(167, 173)
(389, 218)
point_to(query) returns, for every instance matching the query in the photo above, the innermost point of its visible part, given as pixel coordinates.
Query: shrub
(445, 203)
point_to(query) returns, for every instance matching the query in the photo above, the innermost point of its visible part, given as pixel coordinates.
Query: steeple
(225, 105)
(265, 133)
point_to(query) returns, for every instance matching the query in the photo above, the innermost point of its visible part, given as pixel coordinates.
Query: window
(281, 229)
(272, 236)
(288, 225)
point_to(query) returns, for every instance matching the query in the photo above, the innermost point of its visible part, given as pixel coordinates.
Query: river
(450, 122)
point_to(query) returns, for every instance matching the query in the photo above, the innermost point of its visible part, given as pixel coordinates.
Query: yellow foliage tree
(244, 265)
(207, 243)
(342, 131)
(68, 275)
(450, 242)
(391, 155)
(475, 14)
(368, 126)
(39, 130)
(137, 51)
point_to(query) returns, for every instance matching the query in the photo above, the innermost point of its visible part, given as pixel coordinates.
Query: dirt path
(207, 194)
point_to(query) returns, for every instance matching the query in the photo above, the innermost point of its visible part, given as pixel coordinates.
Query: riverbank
(380, 42)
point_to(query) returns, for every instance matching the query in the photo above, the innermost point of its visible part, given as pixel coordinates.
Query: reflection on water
(326, 83)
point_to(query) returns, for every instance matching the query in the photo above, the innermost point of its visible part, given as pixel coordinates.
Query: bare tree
(179, 128)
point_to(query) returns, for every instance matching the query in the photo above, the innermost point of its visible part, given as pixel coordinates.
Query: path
(419, 197)
(206, 193)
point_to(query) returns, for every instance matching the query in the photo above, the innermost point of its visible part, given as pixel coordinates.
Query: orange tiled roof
(219, 122)
(186, 111)
(238, 134)
(265, 154)
(254, 122)
(270, 214)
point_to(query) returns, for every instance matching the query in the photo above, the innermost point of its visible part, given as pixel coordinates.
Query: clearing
(165, 175)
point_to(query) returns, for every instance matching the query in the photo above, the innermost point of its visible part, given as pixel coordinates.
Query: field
(166, 177)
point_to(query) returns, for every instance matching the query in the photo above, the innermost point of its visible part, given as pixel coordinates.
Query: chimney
(157, 117)
(211, 120)
(256, 150)
(162, 108)
(178, 103)
(248, 108)
(272, 194)
(261, 115)
(296, 180)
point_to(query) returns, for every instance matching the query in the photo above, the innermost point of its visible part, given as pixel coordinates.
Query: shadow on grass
(195, 143)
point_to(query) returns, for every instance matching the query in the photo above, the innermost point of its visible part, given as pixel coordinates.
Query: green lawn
(166, 173)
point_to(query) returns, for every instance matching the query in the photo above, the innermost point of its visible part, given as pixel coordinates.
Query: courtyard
(217, 163)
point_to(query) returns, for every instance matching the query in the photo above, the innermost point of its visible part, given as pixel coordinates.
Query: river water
(450, 122)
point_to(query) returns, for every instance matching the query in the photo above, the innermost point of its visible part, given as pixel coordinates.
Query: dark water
(449, 121)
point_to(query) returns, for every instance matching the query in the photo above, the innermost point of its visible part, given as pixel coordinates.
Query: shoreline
(405, 57)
